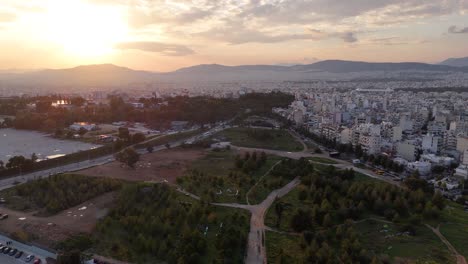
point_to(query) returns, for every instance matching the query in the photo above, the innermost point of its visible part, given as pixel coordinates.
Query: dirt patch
(158, 166)
(50, 230)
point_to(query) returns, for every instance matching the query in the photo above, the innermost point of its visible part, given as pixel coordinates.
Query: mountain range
(108, 75)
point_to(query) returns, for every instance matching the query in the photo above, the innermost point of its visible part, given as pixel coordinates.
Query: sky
(164, 35)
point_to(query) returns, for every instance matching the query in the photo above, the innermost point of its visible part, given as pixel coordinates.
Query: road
(27, 249)
(12, 181)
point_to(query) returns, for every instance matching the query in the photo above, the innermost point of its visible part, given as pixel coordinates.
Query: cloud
(235, 33)
(348, 37)
(456, 30)
(7, 17)
(157, 47)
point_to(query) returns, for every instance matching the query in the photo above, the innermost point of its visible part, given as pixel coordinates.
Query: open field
(159, 166)
(21, 142)
(261, 138)
(385, 238)
(53, 229)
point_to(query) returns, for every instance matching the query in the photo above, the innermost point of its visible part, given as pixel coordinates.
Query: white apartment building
(406, 150)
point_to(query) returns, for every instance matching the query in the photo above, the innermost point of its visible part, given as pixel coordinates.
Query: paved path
(256, 251)
(460, 259)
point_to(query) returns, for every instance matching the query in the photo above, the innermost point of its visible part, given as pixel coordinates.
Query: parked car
(29, 258)
(19, 254)
(37, 261)
(6, 250)
(5, 216)
(13, 252)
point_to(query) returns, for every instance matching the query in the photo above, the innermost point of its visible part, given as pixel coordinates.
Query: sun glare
(83, 29)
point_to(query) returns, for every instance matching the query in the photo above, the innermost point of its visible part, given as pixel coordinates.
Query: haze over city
(167, 35)
(233, 131)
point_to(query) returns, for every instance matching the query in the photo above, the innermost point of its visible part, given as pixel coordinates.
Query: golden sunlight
(83, 29)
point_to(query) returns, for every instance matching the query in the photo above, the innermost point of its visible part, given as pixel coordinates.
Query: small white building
(424, 168)
(79, 125)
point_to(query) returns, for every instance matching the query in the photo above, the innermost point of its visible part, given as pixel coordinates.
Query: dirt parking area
(50, 230)
(158, 166)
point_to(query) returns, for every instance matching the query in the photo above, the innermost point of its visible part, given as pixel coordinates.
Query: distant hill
(333, 66)
(108, 75)
(89, 75)
(456, 62)
(339, 66)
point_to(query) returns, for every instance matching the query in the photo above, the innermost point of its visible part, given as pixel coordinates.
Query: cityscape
(233, 132)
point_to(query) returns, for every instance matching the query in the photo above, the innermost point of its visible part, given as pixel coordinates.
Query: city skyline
(167, 35)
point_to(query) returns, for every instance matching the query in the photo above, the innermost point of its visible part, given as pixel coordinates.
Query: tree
(150, 149)
(124, 134)
(128, 157)
(138, 137)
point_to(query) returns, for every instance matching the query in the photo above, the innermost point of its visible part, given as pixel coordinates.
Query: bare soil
(159, 166)
(50, 230)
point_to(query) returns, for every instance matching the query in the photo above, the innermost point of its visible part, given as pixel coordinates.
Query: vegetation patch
(154, 223)
(323, 160)
(261, 138)
(339, 215)
(224, 176)
(56, 193)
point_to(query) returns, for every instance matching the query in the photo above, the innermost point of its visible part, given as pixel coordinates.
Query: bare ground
(50, 230)
(158, 166)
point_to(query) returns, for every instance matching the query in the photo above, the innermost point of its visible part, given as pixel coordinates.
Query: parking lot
(26, 249)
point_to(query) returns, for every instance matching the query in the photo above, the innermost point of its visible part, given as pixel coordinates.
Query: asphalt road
(12, 181)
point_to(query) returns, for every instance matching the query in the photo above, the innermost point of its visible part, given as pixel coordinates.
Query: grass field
(261, 138)
(384, 238)
(216, 176)
(455, 227)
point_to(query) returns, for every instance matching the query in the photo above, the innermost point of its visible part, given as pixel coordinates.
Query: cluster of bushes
(58, 192)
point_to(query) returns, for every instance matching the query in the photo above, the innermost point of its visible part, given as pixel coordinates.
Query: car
(5, 216)
(13, 252)
(29, 258)
(6, 250)
(37, 261)
(19, 254)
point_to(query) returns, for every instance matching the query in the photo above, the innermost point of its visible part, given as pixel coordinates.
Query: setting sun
(85, 30)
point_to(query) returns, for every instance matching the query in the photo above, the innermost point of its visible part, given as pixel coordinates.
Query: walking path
(256, 251)
(460, 259)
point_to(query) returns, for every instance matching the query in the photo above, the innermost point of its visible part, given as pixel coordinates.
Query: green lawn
(216, 176)
(385, 238)
(261, 138)
(457, 234)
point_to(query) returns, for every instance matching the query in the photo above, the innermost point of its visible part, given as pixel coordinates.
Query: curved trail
(460, 259)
